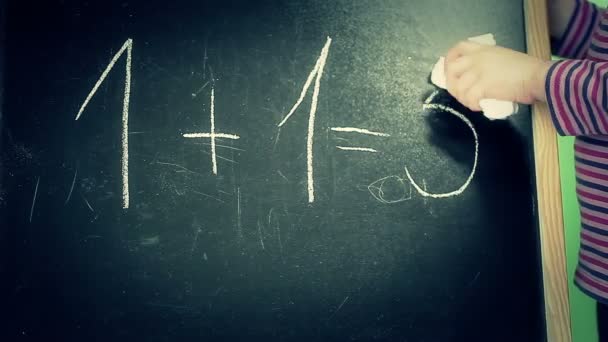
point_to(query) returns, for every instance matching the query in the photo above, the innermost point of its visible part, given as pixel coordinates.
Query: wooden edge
(550, 216)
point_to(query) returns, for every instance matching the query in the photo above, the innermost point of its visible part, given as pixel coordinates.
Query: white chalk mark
(212, 135)
(209, 135)
(71, 188)
(128, 47)
(276, 140)
(87, 203)
(339, 307)
(195, 94)
(358, 130)
(34, 199)
(360, 149)
(424, 188)
(105, 73)
(194, 241)
(260, 234)
(431, 97)
(282, 175)
(213, 155)
(376, 189)
(318, 72)
(224, 146)
(278, 231)
(270, 217)
(222, 158)
(470, 178)
(207, 195)
(178, 166)
(239, 228)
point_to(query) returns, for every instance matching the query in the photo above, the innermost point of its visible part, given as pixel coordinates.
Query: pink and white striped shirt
(577, 94)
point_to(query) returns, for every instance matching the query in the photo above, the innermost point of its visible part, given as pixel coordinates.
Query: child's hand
(474, 72)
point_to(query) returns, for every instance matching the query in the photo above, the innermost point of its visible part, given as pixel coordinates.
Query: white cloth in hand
(492, 109)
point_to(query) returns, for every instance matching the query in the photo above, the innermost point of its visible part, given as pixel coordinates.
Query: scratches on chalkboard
(260, 235)
(474, 279)
(195, 240)
(207, 195)
(34, 199)
(276, 140)
(277, 227)
(71, 187)
(178, 166)
(224, 192)
(195, 94)
(425, 199)
(339, 307)
(128, 47)
(282, 176)
(222, 158)
(87, 203)
(149, 241)
(316, 74)
(226, 147)
(239, 228)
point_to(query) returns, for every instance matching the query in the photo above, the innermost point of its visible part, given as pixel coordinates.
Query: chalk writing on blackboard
(212, 135)
(360, 149)
(423, 192)
(318, 72)
(128, 47)
(358, 130)
(378, 189)
(396, 183)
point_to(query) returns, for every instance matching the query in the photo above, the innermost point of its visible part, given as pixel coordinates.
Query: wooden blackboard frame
(550, 215)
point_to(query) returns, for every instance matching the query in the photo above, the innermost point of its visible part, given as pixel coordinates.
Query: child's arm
(475, 72)
(576, 90)
(577, 94)
(571, 23)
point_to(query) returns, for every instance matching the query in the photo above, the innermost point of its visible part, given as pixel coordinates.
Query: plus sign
(212, 134)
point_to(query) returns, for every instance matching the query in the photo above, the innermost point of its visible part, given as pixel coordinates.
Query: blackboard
(186, 204)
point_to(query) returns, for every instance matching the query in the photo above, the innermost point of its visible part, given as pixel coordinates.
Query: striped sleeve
(576, 38)
(576, 95)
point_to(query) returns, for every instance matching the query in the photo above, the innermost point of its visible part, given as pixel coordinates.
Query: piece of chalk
(491, 108)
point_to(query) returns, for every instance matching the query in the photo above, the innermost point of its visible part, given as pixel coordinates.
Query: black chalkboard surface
(186, 204)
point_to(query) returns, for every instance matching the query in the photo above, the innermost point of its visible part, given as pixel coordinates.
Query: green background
(582, 307)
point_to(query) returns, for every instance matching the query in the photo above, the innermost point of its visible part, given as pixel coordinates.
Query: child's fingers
(461, 49)
(473, 96)
(456, 68)
(459, 88)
